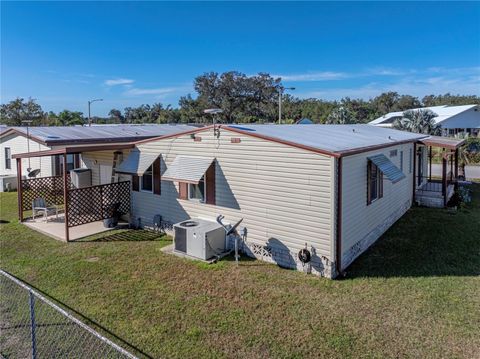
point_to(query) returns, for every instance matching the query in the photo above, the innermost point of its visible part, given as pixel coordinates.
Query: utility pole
(89, 103)
(280, 93)
(28, 122)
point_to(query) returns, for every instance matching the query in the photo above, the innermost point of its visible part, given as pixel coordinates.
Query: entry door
(105, 174)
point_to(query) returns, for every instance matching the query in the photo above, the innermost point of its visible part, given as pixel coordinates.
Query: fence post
(32, 324)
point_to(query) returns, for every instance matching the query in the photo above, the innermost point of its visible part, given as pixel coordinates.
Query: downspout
(338, 244)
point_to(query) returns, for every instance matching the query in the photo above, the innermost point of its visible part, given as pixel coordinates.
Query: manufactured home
(14, 140)
(454, 120)
(330, 189)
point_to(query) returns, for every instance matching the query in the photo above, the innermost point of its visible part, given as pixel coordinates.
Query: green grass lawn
(414, 294)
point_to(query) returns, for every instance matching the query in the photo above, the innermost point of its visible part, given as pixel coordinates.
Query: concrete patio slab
(55, 228)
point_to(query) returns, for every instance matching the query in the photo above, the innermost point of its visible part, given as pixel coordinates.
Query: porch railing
(95, 203)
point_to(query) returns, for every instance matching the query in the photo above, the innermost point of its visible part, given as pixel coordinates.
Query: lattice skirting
(363, 244)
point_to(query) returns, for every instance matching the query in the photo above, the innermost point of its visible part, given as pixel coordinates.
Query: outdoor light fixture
(89, 103)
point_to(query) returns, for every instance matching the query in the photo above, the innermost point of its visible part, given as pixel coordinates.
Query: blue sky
(64, 53)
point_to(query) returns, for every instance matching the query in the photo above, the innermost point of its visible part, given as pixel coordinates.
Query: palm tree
(340, 116)
(419, 121)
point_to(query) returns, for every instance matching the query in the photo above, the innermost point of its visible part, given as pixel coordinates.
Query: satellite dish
(34, 173)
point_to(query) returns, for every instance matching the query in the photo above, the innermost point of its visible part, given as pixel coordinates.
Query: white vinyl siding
(18, 144)
(282, 193)
(94, 161)
(359, 220)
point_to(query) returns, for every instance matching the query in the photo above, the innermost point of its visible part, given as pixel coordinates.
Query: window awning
(392, 172)
(187, 169)
(137, 162)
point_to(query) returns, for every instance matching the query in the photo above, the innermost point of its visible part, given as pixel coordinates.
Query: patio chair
(39, 205)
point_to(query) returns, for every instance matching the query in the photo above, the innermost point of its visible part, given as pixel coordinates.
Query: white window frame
(141, 181)
(204, 191)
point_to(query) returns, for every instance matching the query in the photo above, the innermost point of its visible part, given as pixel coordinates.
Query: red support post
(19, 189)
(456, 164)
(431, 155)
(444, 180)
(65, 196)
(414, 172)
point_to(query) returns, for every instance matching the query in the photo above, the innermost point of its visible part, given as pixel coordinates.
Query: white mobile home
(294, 186)
(453, 119)
(332, 189)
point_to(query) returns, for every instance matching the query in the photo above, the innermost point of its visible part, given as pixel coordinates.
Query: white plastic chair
(39, 205)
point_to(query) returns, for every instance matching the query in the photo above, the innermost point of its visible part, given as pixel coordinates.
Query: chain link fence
(31, 326)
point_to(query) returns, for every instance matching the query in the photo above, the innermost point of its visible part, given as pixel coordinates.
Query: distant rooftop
(443, 112)
(331, 138)
(55, 135)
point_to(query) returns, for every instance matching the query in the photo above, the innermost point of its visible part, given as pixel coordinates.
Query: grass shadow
(426, 242)
(126, 235)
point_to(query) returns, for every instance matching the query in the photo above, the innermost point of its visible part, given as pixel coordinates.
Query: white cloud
(116, 82)
(314, 76)
(153, 91)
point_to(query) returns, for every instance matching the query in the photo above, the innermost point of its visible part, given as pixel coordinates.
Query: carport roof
(74, 149)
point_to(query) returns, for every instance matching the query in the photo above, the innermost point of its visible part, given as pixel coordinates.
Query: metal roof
(187, 169)
(137, 162)
(392, 172)
(445, 142)
(331, 138)
(95, 134)
(443, 112)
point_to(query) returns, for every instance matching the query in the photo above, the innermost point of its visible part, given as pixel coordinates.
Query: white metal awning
(392, 172)
(137, 162)
(187, 169)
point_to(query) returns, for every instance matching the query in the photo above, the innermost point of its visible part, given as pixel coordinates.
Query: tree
(18, 110)
(70, 118)
(238, 95)
(116, 116)
(419, 121)
(340, 116)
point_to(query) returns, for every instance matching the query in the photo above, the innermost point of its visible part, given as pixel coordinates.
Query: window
(197, 191)
(374, 183)
(8, 158)
(401, 161)
(147, 180)
(393, 153)
(410, 159)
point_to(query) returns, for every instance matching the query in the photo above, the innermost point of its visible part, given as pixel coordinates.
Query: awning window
(187, 169)
(137, 162)
(392, 172)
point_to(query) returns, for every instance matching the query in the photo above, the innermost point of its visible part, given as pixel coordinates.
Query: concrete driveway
(472, 172)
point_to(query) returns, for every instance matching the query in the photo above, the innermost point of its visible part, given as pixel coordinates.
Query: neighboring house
(333, 189)
(13, 140)
(453, 119)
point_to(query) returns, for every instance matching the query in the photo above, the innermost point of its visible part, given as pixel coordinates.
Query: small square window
(197, 191)
(393, 153)
(147, 180)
